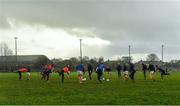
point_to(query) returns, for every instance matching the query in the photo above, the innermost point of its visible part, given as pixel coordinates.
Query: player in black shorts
(90, 70)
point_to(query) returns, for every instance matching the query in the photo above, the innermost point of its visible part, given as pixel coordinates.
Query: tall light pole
(162, 54)
(15, 38)
(129, 53)
(80, 50)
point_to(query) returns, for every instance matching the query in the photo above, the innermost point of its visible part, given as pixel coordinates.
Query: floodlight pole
(80, 50)
(15, 38)
(162, 54)
(129, 53)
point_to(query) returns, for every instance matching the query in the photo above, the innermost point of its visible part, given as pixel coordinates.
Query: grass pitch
(116, 91)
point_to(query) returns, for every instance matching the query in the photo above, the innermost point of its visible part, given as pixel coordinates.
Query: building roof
(21, 58)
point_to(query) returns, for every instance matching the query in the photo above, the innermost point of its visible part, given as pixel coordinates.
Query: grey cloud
(3, 22)
(143, 24)
(110, 15)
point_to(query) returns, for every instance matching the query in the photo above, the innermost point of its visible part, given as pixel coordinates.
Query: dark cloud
(143, 24)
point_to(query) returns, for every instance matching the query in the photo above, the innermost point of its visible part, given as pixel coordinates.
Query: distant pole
(15, 38)
(80, 50)
(162, 54)
(129, 53)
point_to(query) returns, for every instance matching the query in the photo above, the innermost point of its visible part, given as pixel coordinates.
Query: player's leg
(144, 71)
(162, 75)
(43, 76)
(28, 75)
(62, 79)
(80, 73)
(126, 75)
(90, 73)
(99, 76)
(68, 74)
(19, 75)
(61, 75)
(119, 73)
(47, 76)
(152, 75)
(133, 73)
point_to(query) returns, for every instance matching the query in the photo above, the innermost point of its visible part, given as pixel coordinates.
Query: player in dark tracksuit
(108, 69)
(162, 71)
(144, 69)
(152, 71)
(44, 72)
(132, 71)
(99, 70)
(61, 74)
(119, 68)
(90, 70)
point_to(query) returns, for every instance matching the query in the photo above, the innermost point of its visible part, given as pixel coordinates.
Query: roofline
(24, 55)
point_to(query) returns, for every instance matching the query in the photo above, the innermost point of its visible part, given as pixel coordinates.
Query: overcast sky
(107, 27)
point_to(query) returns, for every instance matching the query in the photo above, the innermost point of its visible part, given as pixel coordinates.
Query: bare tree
(5, 50)
(152, 57)
(101, 59)
(85, 59)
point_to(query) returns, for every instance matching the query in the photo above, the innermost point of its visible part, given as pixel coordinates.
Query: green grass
(117, 91)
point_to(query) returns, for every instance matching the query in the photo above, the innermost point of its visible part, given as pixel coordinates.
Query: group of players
(127, 69)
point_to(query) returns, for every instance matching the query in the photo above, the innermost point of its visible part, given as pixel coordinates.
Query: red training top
(22, 70)
(66, 69)
(49, 67)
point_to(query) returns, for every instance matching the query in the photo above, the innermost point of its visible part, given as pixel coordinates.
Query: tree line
(59, 62)
(151, 58)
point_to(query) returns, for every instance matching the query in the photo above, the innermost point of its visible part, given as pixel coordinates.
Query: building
(11, 63)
